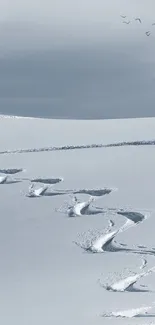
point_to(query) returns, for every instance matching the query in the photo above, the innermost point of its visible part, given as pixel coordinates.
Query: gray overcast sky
(76, 59)
(73, 11)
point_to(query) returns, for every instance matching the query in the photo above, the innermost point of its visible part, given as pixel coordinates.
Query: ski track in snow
(144, 262)
(100, 241)
(136, 217)
(76, 147)
(50, 181)
(11, 171)
(76, 208)
(94, 192)
(130, 313)
(41, 191)
(95, 241)
(103, 241)
(127, 283)
(83, 208)
(8, 180)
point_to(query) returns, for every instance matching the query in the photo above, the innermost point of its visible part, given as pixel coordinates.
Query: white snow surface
(45, 277)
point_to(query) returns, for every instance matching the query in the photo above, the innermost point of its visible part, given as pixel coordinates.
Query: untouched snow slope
(45, 277)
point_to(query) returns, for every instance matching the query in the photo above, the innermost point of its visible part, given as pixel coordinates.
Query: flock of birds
(139, 20)
(103, 242)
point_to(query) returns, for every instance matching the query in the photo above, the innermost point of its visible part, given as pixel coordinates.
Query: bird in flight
(138, 19)
(126, 22)
(148, 33)
(123, 16)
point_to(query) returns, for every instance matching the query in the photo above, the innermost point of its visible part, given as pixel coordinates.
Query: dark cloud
(93, 83)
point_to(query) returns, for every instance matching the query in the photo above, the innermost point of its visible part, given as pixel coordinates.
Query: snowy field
(79, 249)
